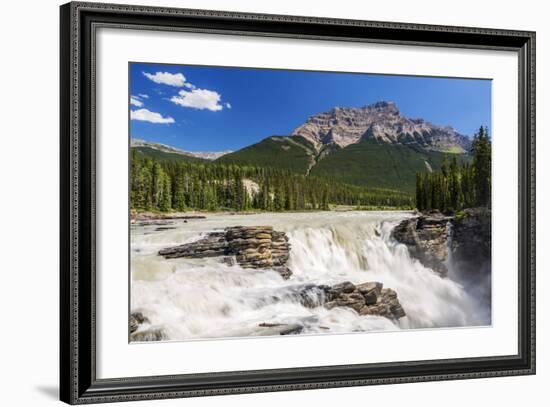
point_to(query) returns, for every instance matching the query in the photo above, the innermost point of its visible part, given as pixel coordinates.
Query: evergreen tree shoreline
(168, 186)
(163, 186)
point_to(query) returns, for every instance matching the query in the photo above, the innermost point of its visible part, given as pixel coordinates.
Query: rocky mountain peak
(383, 106)
(381, 121)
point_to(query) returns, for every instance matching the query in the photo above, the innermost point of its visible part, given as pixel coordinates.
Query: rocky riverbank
(467, 233)
(144, 217)
(471, 242)
(255, 247)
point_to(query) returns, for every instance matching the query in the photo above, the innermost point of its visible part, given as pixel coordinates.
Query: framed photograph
(255, 203)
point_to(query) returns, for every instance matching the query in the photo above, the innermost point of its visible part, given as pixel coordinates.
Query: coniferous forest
(458, 186)
(171, 185)
(163, 185)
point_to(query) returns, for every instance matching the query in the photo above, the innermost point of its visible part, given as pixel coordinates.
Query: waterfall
(205, 298)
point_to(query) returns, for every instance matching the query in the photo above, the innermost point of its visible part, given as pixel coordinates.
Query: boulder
(365, 299)
(135, 320)
(138, 333)
(371, 291)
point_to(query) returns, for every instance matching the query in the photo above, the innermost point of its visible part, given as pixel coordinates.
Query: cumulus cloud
(190, 96)
(199, 99)
(145, 115)
(134, 101)
(167, 78)
(143, 95)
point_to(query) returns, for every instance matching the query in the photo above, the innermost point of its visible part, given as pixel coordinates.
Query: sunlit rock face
(383, 122)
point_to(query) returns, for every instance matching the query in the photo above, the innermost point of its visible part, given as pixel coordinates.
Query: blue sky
(198, 108)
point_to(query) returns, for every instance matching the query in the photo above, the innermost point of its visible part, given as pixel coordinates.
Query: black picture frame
(78, 382)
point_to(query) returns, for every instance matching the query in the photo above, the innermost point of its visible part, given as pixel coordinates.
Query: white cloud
(228, 105)
(134, 101)
(145, 115)
(167, 78)
(189, 85)
(199, 99)
(143, 95)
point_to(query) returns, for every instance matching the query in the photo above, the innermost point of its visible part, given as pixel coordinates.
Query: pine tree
(445, 166)
(165, 199)
(482, 167)
(419, 192)
(455, 191)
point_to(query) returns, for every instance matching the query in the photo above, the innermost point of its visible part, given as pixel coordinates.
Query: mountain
(381, 121)
(380, 165)
(163, 151)
(374, 145)
(292, 153)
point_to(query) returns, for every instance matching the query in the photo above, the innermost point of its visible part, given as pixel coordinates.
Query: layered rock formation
(368, 298)
(381, 121)
(426, 238)
(467, 234)
(257, 247)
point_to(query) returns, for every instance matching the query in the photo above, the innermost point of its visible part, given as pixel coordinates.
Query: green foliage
(284, 152)
(482, 167)
(167, 185)
(380, 165)
(368, 163)
(457, 186)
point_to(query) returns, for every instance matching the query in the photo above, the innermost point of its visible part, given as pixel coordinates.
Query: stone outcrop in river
(140, 334)
(257, 247)
(426, 238)
(368, 298)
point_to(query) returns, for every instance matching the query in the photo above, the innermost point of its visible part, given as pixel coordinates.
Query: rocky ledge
(426, 238)
(471, 241)
(368, 298)
(257, 247)
(467, 234)
(140, 333)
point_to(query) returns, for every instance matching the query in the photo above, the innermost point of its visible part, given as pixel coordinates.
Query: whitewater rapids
(205, 298)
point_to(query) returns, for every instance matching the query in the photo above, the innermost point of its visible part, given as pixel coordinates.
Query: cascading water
(205, 298)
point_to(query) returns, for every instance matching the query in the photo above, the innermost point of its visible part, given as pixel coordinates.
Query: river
(205, 298)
